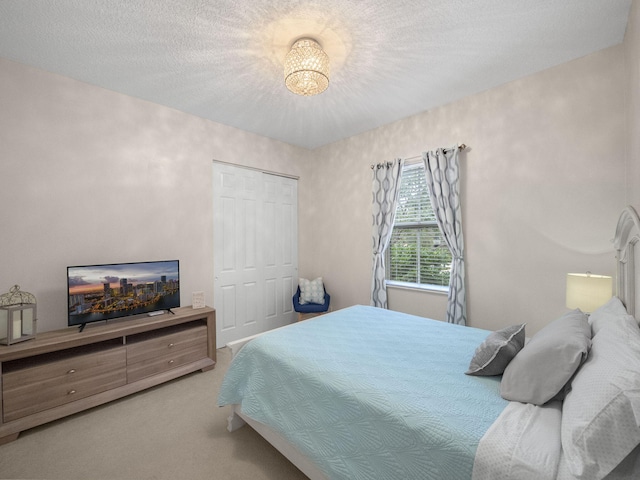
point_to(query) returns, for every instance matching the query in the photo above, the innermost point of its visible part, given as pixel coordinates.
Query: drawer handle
(170, 362)
(170, 345)
(71, 392)
(73, 370)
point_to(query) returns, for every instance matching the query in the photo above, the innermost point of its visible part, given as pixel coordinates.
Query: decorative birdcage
(17, 316)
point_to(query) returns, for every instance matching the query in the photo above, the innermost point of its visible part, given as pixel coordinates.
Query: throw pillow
(540, 371)
(311, 291)
(494, 354)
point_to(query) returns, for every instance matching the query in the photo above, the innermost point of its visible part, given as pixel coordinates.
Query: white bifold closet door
(255, 243)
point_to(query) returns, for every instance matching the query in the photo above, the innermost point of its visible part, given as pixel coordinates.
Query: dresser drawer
(163, 363)
(48, 384)
(146, 348)
(163, 350)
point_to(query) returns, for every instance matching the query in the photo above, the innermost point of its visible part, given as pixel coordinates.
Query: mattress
(367, 393)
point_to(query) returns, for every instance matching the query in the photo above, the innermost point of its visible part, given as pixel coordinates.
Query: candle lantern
(17, 316)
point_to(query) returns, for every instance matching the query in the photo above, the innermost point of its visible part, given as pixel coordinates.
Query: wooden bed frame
(626, 238)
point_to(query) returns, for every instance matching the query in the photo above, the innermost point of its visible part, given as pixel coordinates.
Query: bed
(366, 393)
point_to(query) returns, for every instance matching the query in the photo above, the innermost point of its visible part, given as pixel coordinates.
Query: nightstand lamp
(587, 291)
(17, 316)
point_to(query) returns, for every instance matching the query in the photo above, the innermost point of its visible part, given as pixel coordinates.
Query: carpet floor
(172, 431)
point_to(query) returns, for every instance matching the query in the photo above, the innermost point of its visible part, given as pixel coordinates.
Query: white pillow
(611, 311)
(311, 291)
(601, 413)
(540, 371)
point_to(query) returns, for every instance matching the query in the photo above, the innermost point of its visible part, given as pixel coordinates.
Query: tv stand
(66, 371)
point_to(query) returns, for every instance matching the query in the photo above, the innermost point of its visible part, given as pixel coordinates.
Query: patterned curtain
(443, 179)
(386, 180)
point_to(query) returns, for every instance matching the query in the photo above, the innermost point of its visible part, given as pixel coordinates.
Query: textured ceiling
(222, 59)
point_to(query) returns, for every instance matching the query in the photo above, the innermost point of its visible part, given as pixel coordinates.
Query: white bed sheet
(524, 444)
(629, 469)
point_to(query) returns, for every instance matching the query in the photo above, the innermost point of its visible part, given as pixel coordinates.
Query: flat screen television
(104, 292)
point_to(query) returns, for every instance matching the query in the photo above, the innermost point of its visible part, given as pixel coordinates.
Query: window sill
(418, 287)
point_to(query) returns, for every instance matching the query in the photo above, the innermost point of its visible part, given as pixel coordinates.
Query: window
(417, 253)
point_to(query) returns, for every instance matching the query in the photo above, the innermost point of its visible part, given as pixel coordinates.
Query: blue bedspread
(368, 393)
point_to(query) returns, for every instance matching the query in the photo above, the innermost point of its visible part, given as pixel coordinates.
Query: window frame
(431, 287)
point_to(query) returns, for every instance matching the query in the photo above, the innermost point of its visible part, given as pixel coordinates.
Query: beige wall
(632, 57)
(91, 176)
(542, 188)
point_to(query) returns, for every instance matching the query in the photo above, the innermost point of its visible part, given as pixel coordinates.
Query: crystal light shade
(306, 68)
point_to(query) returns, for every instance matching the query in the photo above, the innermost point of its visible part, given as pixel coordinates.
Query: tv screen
(104, 292)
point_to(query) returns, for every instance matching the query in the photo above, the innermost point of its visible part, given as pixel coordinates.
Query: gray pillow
(543, 368)
(494, 354)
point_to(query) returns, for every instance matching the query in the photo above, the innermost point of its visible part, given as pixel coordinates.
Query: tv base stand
(66, 371)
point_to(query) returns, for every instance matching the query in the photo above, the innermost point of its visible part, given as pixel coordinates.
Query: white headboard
(628, 270)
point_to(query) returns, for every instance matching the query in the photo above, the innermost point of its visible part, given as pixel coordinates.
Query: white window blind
(417, 253)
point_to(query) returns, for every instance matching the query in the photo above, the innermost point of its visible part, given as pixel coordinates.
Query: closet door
(255, 251)
(279, 241)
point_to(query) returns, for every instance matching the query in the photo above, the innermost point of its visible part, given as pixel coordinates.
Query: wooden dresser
(67, 371)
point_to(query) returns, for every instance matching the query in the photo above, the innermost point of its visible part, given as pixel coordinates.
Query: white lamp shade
(588, 292)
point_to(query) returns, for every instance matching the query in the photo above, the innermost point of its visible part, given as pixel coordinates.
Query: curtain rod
(462, 146)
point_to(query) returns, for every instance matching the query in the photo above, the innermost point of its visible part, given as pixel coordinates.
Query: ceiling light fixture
(306, 68)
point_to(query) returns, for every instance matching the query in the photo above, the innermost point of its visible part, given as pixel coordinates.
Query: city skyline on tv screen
(103, 292)
(93, 277)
